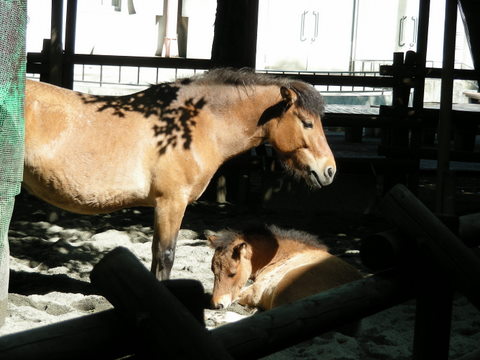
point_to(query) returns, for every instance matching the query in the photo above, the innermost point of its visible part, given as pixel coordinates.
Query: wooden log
(456, 262)
(385, 250)
(469, 229)
(474, 355)
(284, 326)
(105, 335)
(98, 336)
(158, 323)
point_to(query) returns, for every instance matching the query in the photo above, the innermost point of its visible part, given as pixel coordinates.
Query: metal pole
(443, 191)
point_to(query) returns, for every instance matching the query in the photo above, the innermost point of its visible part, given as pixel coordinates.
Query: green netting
(13, 16)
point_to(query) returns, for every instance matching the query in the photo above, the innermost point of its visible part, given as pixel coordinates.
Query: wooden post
(433, 315)
(70, 34)
(235, 37)
(444, 190)
(159, 324)
(55, 54)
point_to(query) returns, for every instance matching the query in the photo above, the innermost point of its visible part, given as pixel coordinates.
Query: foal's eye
(232, 275)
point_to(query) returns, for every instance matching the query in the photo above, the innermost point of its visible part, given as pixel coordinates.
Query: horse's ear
(211, 238)
(240, 251)
(288, 95)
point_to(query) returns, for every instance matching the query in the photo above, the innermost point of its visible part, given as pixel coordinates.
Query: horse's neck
(269, 253)
(264, 252)
(238, 113)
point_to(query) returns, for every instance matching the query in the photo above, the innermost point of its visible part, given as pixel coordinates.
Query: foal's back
(301, 267)
(321, 271)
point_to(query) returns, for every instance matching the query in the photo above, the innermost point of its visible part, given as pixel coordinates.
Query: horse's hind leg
(168, 218)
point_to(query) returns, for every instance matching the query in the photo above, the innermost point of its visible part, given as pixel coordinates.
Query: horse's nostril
(219, 306)
(330, 172)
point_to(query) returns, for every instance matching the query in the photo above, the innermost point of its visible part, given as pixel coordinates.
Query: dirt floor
(53, 252)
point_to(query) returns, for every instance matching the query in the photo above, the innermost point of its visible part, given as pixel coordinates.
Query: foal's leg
(168, 218)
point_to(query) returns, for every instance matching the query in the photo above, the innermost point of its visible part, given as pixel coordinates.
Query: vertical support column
(235, 37)
(423, 135)
(444, 191)
(70, 33)
(433, 316)
(55, 54)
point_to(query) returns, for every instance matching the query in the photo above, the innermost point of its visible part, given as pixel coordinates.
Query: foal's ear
(288, 95)
(239, 251)
(211, 238)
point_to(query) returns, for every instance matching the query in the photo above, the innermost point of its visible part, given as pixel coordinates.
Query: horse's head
(295, 130)
(231, 266)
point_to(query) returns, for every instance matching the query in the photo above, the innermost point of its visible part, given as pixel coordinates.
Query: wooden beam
(107, 335)
(55, 53)
(455, 262)
(70, 35)
(235, 34)
(159, 324)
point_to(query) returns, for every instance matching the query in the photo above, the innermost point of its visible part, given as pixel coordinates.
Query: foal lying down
(284, 265)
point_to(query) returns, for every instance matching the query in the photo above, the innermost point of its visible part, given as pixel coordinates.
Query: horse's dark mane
(307, 97)
(225, 237)
(297, 235)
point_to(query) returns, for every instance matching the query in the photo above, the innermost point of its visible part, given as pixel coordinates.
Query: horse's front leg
(168, 219)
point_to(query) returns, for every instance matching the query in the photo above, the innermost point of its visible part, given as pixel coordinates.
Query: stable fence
(165, 319)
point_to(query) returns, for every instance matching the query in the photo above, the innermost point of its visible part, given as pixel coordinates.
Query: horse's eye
(232, 275)
(307, 124)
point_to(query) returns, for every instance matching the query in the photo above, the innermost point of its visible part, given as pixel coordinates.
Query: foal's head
(231, 266)
(294, 129)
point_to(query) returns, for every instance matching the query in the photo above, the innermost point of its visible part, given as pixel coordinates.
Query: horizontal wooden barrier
(110, 334)
(271, 331)
(160, 326)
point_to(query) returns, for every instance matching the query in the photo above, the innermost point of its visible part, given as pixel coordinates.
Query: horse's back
(78, 158)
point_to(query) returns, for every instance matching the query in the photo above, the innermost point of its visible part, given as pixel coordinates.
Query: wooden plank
(160, 325)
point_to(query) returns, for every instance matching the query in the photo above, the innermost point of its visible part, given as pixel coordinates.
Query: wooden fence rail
(110, 335)
(165, 319)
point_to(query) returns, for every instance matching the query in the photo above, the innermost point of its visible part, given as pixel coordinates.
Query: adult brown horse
(160, 147)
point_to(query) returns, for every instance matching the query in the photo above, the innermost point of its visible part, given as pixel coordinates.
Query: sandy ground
(53, 252)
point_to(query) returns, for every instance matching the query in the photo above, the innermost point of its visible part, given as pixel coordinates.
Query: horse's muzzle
(324, 178)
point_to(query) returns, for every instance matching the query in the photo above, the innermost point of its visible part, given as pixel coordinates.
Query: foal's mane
(270, 232)
(308, 97)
